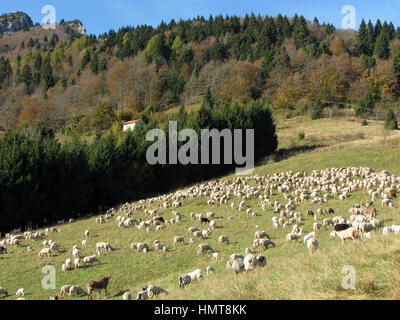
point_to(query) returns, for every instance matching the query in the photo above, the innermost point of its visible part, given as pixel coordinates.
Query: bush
(391, 121)
(301, 135)
(364, 123)
(318, 110)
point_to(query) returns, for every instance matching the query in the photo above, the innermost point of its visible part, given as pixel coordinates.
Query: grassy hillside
(291, 273)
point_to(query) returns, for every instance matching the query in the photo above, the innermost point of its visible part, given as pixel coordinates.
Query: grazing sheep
(142, 295)
(68, 264)
(262, 260)
(29, 248)
(155, 291)
(53, 297)
(312, 245)
(65, 290)
(202, 248)
(237, 265)
(87, 233)
(223, 239)
(367, 235)
(179, 239)
(204, 220)
(342, 226)
(250, 262)
(97, 285)
(261, 234)
(196, 275)
(366, 227)
(44, 252)
(316, 226)
(377, 223)
(346, 234)
(76, 291)
(209, 270)
(216, 256)
(184, 280)
(263, 244)
(292, 236)
(127, 296)
(309, 236)
(90, 259)
(3, 292)
(77, 263)
(387, 230)
(20, 292)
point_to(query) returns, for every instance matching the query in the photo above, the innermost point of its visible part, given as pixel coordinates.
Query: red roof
(133, 121)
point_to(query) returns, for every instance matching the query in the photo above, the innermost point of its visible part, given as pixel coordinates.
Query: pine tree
(363, 42)
(46, 74)
(382, 49)
(300, 32)
(366, 105)
(26, 78)
(85, 59)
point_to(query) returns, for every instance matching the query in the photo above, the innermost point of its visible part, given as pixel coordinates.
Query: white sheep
(155, 291)
(127, 296)
(209, 270)
(196, 275)
(223, 239)
(20, 292)
(91, 259)
(312, 245)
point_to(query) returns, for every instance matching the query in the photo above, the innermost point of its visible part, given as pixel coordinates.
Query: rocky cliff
(14, 21)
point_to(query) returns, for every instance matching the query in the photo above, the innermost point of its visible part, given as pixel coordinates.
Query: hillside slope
(291, 273)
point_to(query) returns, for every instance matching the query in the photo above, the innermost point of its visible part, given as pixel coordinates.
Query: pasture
(290, 273)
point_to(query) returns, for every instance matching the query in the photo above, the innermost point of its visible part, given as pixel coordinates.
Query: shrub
(318, 110)
(391, 121)
(301, 135)
(364, 123)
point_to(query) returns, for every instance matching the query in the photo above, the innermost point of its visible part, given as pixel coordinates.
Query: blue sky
(99, 16)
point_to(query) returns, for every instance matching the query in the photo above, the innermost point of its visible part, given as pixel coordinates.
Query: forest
(86, 84)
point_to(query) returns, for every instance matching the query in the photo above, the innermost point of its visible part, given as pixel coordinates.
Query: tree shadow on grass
(286, 153)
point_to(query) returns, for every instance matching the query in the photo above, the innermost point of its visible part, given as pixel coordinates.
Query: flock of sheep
(297, 188)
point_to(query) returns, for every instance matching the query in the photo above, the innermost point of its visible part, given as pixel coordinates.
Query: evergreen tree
(362, 44)
(300, 32)
(85, 59)
(382, 49)
(26, 78)
(366, 105)
(46, 74)
(391, 121)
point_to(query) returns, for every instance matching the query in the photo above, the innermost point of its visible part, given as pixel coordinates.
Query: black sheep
(342, 226)
(204, 220)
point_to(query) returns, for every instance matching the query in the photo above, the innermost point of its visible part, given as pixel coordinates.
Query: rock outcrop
(14, 21)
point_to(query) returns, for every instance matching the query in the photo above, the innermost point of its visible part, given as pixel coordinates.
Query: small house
(130, 125)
